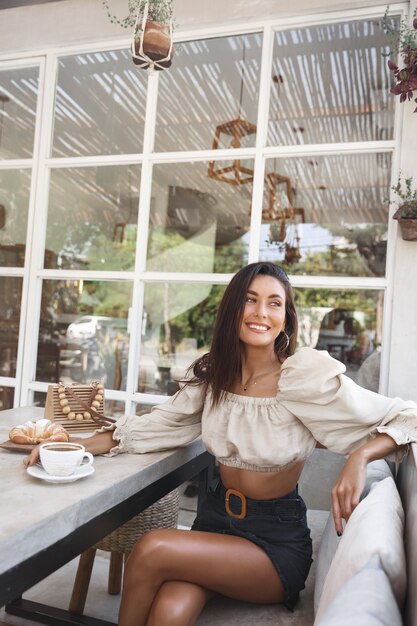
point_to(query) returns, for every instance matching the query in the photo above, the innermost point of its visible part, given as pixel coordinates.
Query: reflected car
(91, 346)
(87, 326)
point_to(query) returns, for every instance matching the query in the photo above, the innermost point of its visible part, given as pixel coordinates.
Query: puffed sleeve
(172, 424)
(340, 414)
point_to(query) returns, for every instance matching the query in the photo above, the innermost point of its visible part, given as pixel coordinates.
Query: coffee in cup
(60, 458)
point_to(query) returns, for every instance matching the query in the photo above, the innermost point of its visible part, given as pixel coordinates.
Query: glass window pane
(92, 218)
(11, 294)
(327, 214)
(211, 83)
(142, 409)
(331, 83)
(14, 206)
(83, 333)
(18, 98)
(346, 323)
(100, 105)
(6, 397)
(197, 223)
(114, 408)
(177, 329)
(39, 398)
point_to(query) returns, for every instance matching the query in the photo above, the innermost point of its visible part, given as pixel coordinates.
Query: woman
(262, 409)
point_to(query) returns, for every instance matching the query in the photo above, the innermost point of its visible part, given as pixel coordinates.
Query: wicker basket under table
(161, 514)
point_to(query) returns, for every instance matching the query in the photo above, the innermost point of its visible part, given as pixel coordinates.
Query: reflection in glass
(83, 332)
(330, 83)
(18, 98)
(114, 408)
(11, 294)
(197, 224)
(6, 398)
(142, 409)
(39, 398)
(92, 218)
(100, 105)
(14, 206)
(346, 323)
(177, 328)
(327, 214)
(212, 82)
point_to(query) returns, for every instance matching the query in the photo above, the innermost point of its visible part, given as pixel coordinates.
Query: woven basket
(161, 514)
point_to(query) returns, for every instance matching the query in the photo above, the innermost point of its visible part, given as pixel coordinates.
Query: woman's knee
(149, 551)
(177, 605)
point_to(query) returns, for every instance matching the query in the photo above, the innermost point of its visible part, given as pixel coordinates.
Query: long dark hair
(220, 367)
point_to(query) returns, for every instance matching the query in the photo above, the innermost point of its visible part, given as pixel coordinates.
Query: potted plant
(152, 24)
(406, 213)
(403, 42)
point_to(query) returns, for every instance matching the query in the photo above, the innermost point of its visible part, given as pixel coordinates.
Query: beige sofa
(361, 578)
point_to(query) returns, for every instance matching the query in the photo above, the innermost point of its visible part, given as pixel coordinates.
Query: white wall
(403, 353)
(72, 21)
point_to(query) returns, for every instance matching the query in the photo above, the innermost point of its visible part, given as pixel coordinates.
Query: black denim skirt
(278, 526)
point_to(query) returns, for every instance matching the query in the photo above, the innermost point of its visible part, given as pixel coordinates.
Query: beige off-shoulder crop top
(315, 401)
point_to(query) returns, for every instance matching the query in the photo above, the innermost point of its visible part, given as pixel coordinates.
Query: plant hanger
(140, 57)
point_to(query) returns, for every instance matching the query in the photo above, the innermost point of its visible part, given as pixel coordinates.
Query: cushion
(376, 471)
(374, 528)
(366, 600)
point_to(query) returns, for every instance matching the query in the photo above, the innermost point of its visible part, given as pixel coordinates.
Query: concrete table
(45, 525)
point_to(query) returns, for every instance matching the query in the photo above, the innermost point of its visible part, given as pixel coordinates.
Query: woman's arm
(100, 443)
(172, 424)
(340, 414)
(349, 486)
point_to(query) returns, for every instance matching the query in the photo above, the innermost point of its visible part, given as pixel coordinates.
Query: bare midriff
(261, 485)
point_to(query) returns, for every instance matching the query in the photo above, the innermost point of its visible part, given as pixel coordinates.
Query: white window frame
(42, 164)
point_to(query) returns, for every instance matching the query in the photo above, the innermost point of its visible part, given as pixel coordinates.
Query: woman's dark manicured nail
(339, 533)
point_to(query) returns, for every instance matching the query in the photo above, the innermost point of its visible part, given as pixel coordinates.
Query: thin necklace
(252, 379)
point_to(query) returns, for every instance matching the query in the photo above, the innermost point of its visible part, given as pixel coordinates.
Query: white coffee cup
(61, 458)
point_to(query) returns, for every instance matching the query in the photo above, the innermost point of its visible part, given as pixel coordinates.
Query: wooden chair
(161, 514)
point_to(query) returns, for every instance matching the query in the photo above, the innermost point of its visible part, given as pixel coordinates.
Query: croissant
(36, 432)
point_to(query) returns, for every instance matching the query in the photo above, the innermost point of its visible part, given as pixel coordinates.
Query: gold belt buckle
(234, 492)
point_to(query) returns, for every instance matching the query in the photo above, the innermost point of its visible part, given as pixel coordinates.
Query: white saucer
(81, 472)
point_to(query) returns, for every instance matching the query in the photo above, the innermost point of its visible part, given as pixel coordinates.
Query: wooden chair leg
(82, 581)
(115, 573)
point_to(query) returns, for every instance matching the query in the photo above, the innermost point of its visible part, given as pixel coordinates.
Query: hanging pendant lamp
(283, 230)
(233, 132)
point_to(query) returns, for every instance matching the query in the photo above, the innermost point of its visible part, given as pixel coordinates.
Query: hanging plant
(152, 24)
(403, 42)
(406, 201)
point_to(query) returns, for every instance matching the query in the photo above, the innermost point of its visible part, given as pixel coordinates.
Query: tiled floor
(56, 589)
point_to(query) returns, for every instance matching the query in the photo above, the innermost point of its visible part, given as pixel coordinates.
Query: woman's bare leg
(218, 563)
(178, 604)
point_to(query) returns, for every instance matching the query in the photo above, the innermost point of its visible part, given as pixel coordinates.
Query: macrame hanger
(144, 60)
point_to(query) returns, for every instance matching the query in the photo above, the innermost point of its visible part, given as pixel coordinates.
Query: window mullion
(31, 303)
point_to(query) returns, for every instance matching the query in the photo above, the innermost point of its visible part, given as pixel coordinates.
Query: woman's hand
(347, 491)
(349, 486)
(99, 443)
(33, 457)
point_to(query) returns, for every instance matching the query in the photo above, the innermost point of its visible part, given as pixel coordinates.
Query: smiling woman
(257, 312)
(264, 313)
(261, 408)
